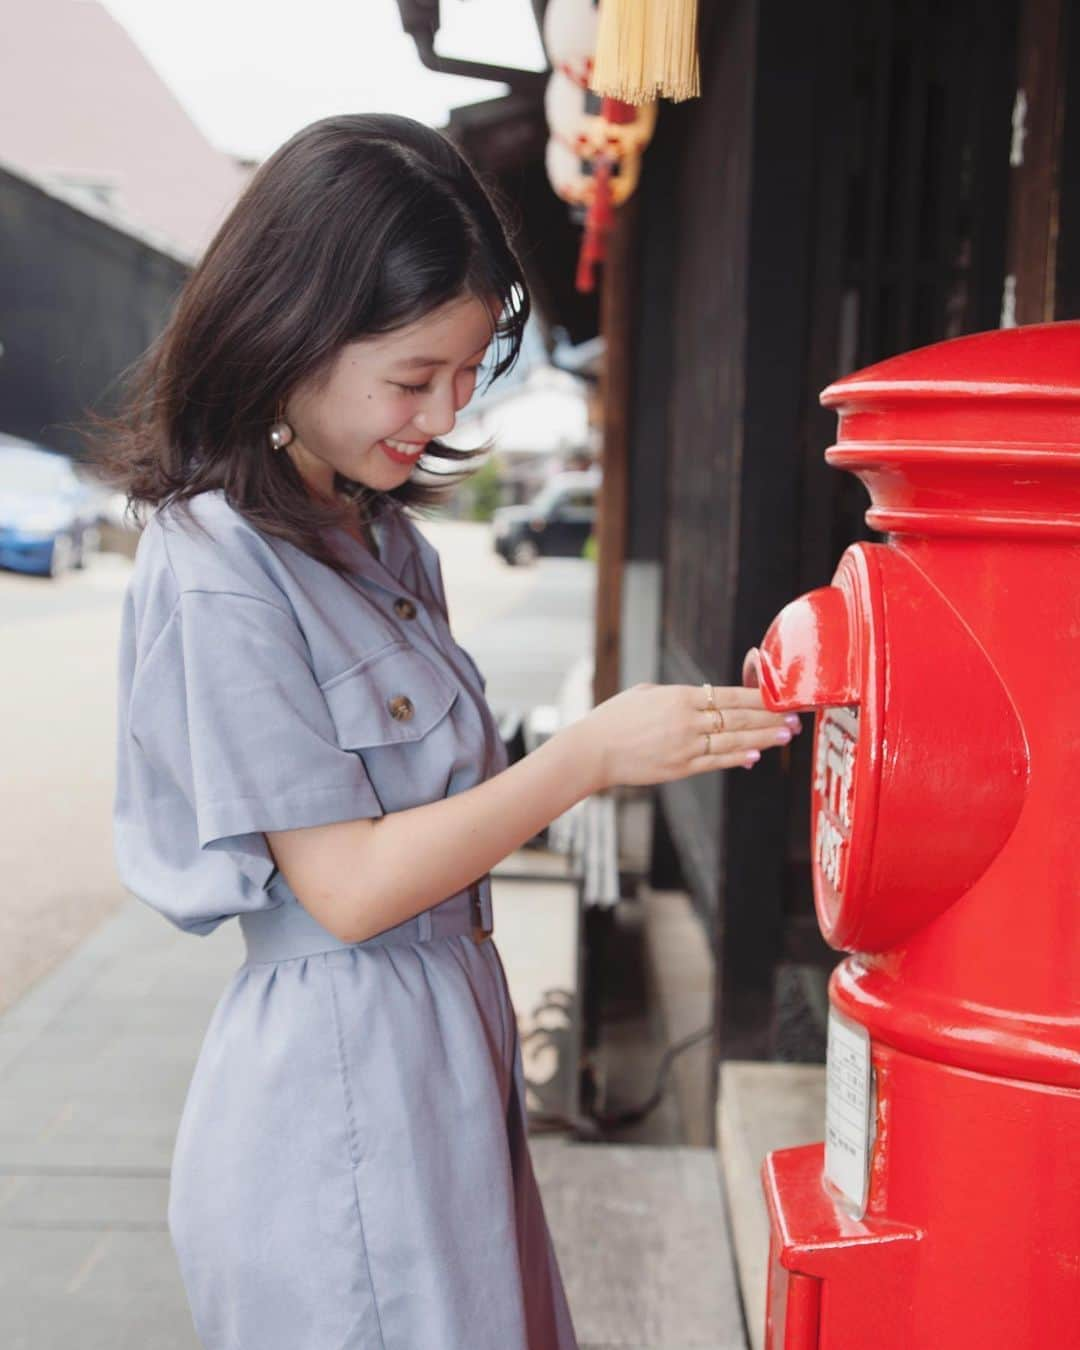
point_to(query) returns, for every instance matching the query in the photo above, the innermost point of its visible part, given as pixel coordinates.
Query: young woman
(303, 744)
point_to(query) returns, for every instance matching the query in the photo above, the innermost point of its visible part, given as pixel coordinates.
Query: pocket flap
(397, 678)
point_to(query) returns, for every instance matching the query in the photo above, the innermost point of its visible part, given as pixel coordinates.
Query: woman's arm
(359, 877)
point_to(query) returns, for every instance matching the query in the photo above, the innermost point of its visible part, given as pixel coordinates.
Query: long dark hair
(358, 225)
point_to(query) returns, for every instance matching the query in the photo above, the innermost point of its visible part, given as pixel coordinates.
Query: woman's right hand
(655, 733)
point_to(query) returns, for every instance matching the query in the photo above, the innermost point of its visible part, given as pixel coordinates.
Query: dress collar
(396, 549)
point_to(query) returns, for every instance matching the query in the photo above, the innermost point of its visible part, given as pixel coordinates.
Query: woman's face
(385, 397)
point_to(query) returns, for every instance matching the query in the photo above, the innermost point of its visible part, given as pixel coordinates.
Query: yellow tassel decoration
(673, 41)
(647, 49)
(622, 41)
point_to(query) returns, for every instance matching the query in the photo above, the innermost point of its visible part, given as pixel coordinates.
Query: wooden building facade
(859, 177)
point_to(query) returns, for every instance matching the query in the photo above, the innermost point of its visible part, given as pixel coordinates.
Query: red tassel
(613, 110)
(584, 281)
(599, 219)
(601, 214)
(593, 251)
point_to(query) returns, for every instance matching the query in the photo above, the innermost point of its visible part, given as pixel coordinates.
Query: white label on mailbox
(847, 1110)
(834, 780)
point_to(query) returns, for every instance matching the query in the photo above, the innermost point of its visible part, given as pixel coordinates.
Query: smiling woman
(304, 747)
(351, 1165)
(363, 421)
(348, 298)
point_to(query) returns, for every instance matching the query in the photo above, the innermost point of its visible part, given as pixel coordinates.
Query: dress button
(401, 708)
(405, 608)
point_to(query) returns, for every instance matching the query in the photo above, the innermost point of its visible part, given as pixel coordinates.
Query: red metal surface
(947, 775)
(972, 1237)
(866, 1263)
(909, 809)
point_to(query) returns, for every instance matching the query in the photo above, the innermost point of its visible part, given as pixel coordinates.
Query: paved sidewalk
(94, 1064)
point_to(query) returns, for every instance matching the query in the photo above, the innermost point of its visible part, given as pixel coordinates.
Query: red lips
(398, 457)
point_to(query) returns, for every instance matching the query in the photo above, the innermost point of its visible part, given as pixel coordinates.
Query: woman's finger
(738, 759)
(724, 696)
(724, 743)
(749, 719)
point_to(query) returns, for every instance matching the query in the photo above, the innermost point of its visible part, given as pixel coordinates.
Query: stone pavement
(94, 1064)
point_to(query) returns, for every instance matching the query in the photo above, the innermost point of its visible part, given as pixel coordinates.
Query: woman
(303, 744)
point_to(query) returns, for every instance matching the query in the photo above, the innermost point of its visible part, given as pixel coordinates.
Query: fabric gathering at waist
(288, 930)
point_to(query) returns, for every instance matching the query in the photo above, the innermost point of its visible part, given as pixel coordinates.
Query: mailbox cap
(976, 436)
(1040, 361)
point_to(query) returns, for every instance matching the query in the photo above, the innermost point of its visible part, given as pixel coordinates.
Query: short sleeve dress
(351, 1167)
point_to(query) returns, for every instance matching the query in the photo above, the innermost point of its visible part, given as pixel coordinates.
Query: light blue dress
(351, 1168)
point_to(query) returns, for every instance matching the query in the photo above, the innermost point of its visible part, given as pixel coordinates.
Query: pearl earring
(280, 435)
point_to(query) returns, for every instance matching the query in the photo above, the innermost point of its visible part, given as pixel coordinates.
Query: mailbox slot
(920, 760)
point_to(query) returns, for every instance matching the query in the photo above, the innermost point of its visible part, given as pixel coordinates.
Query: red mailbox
(943, 1209)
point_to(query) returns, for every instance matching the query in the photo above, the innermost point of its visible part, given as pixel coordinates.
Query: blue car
(48, 515)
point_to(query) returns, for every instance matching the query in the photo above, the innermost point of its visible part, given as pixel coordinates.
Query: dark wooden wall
(709, 210)
(79, 301)
(838, 193)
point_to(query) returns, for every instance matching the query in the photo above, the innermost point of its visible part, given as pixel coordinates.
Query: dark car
(48, 515)
(556, 523)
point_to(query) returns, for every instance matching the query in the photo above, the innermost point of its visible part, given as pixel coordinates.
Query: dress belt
(289, 930)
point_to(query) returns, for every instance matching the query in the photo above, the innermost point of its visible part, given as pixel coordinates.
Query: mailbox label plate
(834, 790)
(848, 1100)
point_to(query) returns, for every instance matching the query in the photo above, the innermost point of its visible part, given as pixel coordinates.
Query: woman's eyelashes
(423, 388)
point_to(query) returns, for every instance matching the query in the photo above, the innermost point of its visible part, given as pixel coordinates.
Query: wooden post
(617, 305)
(1035, 160)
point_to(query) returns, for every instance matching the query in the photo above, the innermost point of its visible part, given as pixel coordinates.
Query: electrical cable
(612, 1120)
(591, 1128)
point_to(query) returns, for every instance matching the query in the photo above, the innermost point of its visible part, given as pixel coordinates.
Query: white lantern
(566, 173)
(620, 140)
(580, 136)
(570, 28)
(565, 107)
(572, 178)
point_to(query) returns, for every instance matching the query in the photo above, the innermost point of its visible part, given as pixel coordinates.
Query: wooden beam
(1035, 160)
(1067, 289)
(617, 307)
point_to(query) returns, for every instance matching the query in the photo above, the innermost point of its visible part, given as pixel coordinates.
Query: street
(525, 627)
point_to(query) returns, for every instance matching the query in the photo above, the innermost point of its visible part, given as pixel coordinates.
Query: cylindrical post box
(943, 665)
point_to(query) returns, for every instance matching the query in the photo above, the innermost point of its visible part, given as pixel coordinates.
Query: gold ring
(719, 720)
(708, 743)
(709, 702)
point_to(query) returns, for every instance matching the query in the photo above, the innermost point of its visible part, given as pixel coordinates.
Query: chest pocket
(392, 709)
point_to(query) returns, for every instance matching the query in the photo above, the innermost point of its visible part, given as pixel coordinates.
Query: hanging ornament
(570, 37)
(574, 178)
(593, 156)
(620, 140)
(614, 110)
(579, 118)
(569, 175)
(598, 221)
(647, 49)
(566, 106)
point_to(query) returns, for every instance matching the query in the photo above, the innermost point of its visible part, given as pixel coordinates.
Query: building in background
(537, 428)
(84, 112)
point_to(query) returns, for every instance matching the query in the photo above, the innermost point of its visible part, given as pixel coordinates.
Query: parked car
(48, 515)
(556, 523)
